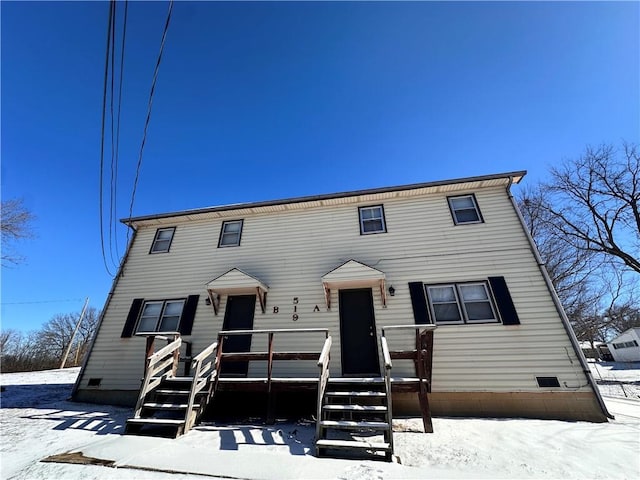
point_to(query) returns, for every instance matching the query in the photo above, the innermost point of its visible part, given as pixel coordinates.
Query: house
(450, 262)
(626, 346)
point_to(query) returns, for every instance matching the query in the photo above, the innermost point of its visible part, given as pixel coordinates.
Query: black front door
(359, 345)
(238, 316)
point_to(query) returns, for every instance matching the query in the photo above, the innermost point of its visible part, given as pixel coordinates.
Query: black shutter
(132, 318)
(419, 303)
(504, 301)
(188, 314)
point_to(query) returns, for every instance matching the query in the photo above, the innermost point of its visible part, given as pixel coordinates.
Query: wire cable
(104, 112)
(115, 187)
(146, 125)
(111, 182)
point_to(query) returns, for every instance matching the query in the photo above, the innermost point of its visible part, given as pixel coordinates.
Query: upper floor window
(464, 209)
(630, 344)
(230, 233)
(372, 220)
(162, 240)
(160, 316)
(461, 303)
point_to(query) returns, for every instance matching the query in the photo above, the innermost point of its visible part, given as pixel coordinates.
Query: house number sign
(295, 317)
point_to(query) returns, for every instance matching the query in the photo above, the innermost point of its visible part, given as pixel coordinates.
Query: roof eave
(513, 177)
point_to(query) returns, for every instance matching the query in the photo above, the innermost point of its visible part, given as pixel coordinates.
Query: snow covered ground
(37, 421)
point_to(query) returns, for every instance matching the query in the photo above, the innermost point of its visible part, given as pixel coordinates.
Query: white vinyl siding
(290, 248)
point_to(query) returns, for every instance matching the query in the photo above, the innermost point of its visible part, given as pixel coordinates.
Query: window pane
(462, 203)
(232, 227)
(152, 309)
(479, 311)
(173, 308)
(442, 294)
(169, 324)
(372, 226)
(161, 245)
(165, 234)
(463, 216)
(446, 312)
(369, 213)
(473, 292)
(230, 239)
(147, 324)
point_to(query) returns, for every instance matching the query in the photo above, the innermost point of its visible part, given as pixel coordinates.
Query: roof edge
(515, 175)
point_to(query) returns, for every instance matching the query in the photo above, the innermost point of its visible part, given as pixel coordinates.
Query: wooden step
(173, 391)
(351, 425)
(356, 394)
(354, 445)
(169, 422)
(166, 406)
(358, 380)
(355, 408)
(179, 379)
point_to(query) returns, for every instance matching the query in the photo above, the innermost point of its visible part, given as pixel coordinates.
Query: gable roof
(296, 203)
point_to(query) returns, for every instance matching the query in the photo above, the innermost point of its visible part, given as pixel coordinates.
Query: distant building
(626, 346)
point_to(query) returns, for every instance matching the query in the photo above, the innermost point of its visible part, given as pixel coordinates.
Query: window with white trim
(464, 209)
(458, 303)
(230, 233)
(162, 240)
(372, 220)
(160, 316)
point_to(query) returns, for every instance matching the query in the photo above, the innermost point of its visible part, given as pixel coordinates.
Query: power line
(111, 182)
(104, 114)
(146, 124)
(115, 185)
(42, 301)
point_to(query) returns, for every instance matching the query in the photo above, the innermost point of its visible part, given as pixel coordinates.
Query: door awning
(236, 282)
(354, 274)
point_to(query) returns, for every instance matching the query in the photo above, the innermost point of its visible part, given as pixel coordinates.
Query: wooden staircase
(169, 406)
(355, 419)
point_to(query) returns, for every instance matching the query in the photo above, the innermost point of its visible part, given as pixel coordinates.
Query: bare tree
(570, 268)
(44, 348)
(15, 224)
(595, 203)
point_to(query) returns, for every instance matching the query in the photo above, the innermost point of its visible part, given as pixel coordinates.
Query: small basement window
(230, 234)
(464, 209)
(548, 382)
(94, 382)
(372, 220)
(162, 240)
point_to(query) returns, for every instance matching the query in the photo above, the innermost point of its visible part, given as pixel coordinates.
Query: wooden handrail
(323, 379)
(385, 353)
(157, 367)
(201, 375)
(270, 355)
(278, 330)
(422, 355)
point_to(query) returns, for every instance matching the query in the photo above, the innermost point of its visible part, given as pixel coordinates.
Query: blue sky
(258, 101)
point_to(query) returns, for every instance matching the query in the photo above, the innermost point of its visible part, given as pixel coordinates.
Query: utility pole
(66, 353)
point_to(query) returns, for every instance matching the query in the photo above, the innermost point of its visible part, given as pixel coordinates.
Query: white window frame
(454, 211)
(380, 218)
(461, 304)
(223, 233)
(157, 240)
(161, 315)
